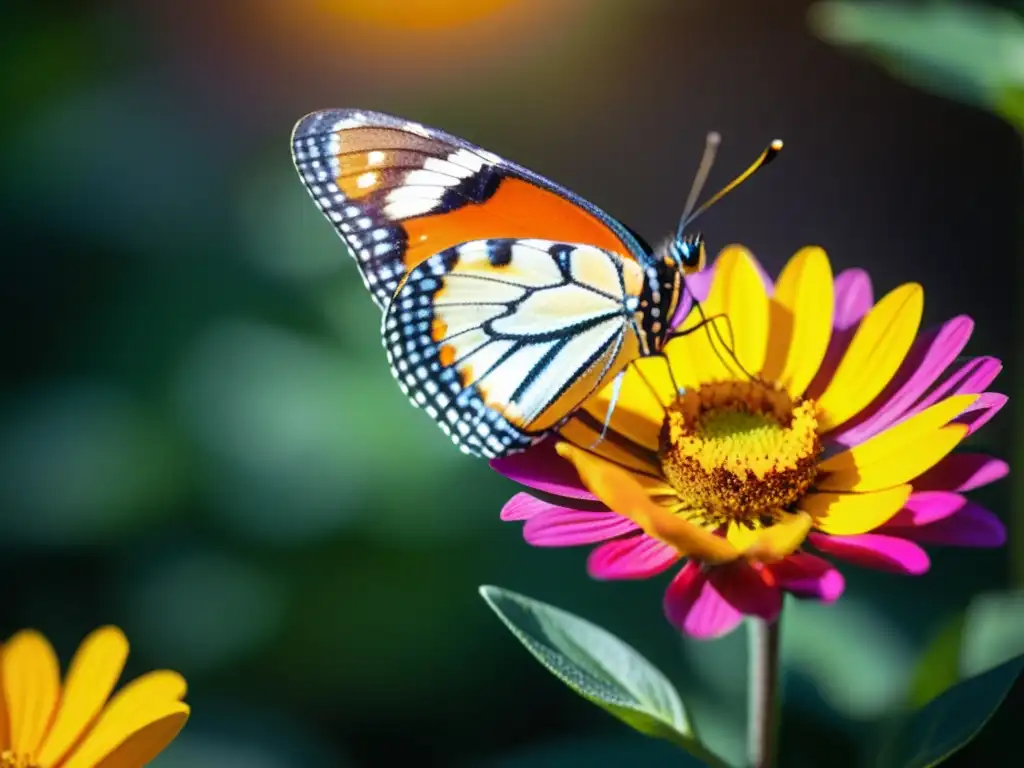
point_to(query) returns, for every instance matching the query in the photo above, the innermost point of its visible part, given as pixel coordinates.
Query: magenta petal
(561, 527)
(981, 411)
(970, 378)
(635, 557)
(962, 472)
(805, 575)
(699, 284)
(523, 506)
(873, 550)
(925, 507)
(685, 305)
(541, 467)
(972, 526)
(692, 605)
(746, 589)
(854, 297)
(930, 356)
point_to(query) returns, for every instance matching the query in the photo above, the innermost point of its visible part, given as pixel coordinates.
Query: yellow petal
(586, 434)
(93, 674)
(148, 742)
(850, 514)
(900, 453)
(5, 733)
(621, 492)
(143, 702)
(737, 293)
(875, 353)
(740, 536)
(781, 539)
(804, 292)
(640, 408)
(31, 680)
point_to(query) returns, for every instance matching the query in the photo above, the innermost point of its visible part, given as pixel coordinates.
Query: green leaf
(599, 667)
(993, 631)
(988, 633)
(939, 667)
(971, 53)
(934, 733)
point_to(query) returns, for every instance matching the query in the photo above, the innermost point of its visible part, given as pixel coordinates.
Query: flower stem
(762, 720)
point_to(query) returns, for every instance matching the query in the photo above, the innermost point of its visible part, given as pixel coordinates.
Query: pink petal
(805, 575)
(924, 508)
(971, 526)
(873, 550)
(541, 467)
(693, 606)
(931, 354)
(685, 305)
(962, 472)
(699, 284)
(635, 557)
(970, 378)
(853, 298)
(562, 527)
(523, 506)
(982, 411)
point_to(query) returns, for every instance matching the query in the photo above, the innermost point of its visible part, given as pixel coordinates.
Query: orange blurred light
(413, 14)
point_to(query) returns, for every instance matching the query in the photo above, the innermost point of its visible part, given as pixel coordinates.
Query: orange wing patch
(517, 209)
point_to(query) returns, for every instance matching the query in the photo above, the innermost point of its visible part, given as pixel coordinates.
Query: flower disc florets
(740, 450)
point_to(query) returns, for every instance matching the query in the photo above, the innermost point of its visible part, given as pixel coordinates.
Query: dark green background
(199, 437)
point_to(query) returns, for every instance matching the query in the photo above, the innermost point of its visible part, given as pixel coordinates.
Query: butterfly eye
(692, 254)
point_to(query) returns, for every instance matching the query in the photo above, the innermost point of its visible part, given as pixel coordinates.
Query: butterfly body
(507, 299)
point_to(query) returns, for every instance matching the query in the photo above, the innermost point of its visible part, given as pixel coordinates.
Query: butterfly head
(687, 252)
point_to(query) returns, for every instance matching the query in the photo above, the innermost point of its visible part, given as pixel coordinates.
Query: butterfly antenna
(711, 144)
(616, 389)
(765, 157)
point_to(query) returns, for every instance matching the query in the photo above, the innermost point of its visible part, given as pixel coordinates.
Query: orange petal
(804, 292)
(148, 700)
(621, 492)
(781, 539)
(5, 732)
(876, 352)
(31, 680)
(93, 674)
(850, 514)
(900, 453)
(149, 741)
(587, 434)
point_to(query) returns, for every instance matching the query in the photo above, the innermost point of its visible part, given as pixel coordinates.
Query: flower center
(10, 760)
(739, 450)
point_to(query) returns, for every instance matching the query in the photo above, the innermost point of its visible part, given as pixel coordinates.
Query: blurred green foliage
(199, 437)
(971, 52)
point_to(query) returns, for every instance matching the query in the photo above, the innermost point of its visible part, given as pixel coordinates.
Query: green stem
(762, 721)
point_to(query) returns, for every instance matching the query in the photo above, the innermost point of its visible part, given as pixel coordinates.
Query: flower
(839, 439)
(44, 725)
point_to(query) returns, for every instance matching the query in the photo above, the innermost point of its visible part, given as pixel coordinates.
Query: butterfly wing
(499, 340)
(398, 192)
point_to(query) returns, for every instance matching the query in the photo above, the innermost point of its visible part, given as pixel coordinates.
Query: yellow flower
(46, 725)
(827, 422)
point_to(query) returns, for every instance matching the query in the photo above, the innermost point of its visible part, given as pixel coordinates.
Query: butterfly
(507, 300)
